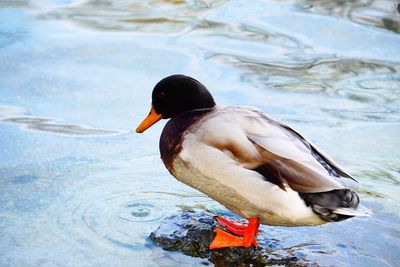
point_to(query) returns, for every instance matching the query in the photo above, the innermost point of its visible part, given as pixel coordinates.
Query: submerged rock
(191, 233)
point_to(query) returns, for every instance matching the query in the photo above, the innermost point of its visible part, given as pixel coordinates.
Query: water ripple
(22, 117)
(121, 220)
(141, 16)
(381, 14)
(318, 74)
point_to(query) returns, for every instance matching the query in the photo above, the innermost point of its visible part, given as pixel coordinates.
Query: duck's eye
(161, 95)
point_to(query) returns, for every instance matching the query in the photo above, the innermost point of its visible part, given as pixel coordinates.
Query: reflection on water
(49, 125)
(131, 15)
(144, 16)
(376, 13)
(74, 69)
(29, 122)
(376, 84)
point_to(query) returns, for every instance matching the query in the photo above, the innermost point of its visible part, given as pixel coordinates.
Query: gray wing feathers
(298, 171)
(315, 150)
(303, 165)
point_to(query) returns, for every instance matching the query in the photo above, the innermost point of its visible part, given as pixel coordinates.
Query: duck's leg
(224, 239)
(235, 227)
(249, 237)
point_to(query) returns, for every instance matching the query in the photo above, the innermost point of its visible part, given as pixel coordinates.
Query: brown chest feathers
(173, 134)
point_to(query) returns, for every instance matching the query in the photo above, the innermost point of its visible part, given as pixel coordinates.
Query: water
(79, 188)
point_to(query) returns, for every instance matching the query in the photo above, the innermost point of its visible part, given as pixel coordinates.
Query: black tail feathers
(332, 206)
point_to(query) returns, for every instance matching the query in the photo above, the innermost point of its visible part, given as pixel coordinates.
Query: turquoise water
(79, 188)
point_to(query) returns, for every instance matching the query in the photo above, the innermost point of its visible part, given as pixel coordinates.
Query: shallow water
(79, 188)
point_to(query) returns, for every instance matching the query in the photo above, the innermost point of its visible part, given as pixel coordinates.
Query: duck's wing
(288, 159)
(329, 164)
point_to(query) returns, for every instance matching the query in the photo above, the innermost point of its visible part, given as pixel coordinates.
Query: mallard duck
(257, 167)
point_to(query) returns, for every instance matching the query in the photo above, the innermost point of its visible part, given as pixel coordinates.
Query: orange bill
(151, 119)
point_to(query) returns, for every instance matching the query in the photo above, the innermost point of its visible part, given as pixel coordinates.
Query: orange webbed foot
(224, 239)
(248, 233)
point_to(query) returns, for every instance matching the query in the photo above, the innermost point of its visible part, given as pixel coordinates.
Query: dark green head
(179, 93)
(174, 95)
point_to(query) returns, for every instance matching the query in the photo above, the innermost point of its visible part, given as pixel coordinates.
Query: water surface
(79, 188)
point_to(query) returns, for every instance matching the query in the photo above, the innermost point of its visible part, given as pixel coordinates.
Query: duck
(254, 165)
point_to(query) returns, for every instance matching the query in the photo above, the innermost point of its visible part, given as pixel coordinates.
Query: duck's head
(174, 95)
